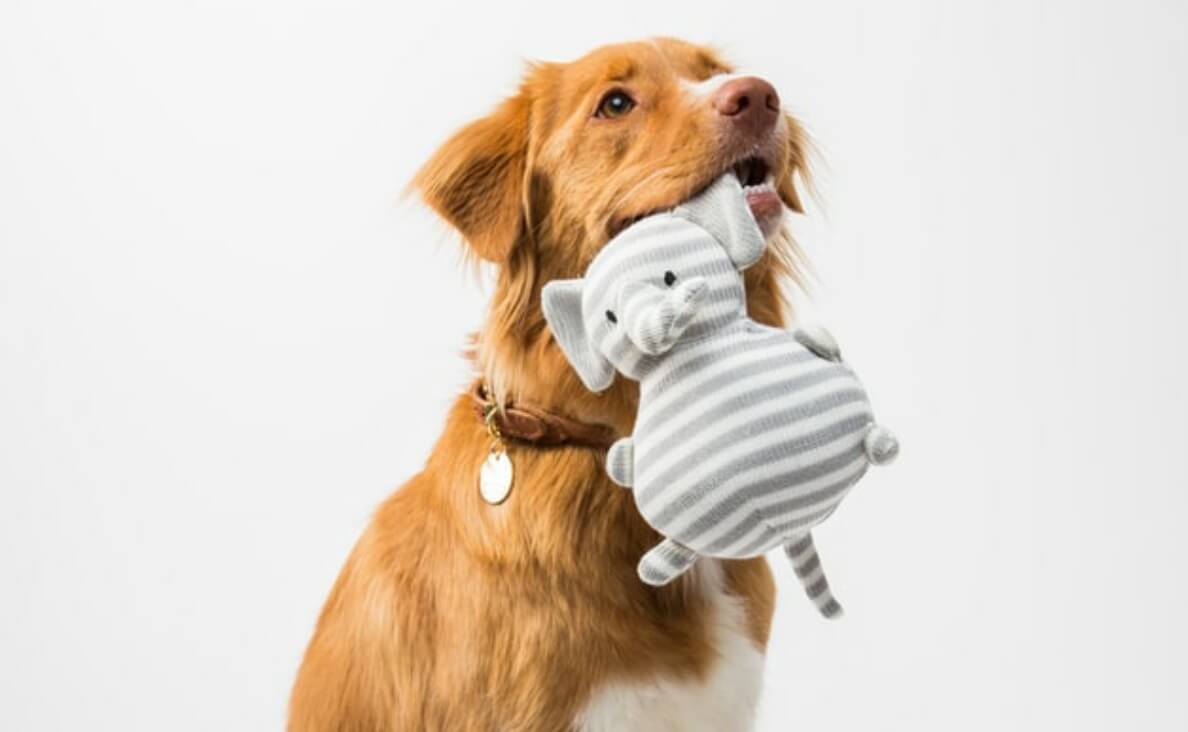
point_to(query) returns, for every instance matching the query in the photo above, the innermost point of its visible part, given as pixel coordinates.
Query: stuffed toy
(747, 436)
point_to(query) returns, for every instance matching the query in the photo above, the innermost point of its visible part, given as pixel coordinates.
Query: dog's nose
(750, 102)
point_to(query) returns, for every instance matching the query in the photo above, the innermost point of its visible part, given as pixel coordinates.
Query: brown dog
(454, 614)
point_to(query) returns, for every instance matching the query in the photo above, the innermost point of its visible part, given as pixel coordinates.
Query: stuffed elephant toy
(747, 436)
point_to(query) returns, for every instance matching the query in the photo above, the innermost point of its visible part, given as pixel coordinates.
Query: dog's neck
(515, 352)
(533, 372)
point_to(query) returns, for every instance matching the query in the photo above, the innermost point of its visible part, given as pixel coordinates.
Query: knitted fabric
(747, 436)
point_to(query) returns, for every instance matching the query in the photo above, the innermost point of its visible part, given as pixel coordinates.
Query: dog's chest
(724, 701)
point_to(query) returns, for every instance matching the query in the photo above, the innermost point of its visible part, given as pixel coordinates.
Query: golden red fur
(451, 614)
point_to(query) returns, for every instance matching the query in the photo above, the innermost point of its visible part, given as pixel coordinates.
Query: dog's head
(587, 147)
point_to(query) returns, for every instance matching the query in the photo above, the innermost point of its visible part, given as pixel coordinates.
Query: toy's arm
(819, 341)
(620, 462)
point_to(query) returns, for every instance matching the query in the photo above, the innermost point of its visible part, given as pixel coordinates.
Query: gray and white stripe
(747, 436)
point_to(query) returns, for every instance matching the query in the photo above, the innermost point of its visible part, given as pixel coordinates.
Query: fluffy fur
(451, 614)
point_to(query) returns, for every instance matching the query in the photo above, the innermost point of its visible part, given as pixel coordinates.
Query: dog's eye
(669, 278)
(610, 315)
(615, 104)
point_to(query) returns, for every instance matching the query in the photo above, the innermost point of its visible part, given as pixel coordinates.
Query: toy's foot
(880, 445)
(665, 562)
(819, 341)
(620, 462)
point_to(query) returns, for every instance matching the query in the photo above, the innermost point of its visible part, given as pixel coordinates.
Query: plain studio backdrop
(223, 340)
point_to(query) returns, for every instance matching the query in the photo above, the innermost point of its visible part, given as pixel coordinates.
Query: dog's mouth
(751, 172)
(759, 187)
(758, 182)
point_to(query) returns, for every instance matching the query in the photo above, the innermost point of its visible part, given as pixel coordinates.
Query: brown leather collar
(539, 428)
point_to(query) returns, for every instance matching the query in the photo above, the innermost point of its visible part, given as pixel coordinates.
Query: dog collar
(536, 427)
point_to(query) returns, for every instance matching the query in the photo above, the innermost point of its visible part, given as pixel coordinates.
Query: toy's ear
(722, 210)
(562, 304)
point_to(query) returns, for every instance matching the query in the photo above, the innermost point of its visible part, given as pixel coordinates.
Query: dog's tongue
(764, 203)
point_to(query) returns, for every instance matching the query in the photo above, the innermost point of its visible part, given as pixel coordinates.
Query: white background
(223, 340)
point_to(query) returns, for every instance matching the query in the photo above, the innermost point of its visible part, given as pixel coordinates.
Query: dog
(525, 613)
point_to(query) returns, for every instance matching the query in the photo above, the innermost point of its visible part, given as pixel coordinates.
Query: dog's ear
(476, 180)
(795, 164)
(562, 304)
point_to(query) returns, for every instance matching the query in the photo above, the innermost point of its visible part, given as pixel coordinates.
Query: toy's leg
(880, 445)
(819, 341)
(665, 562)
(620, 462)
(807, 564)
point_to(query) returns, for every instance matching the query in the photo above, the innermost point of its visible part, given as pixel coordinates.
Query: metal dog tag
(495, 477)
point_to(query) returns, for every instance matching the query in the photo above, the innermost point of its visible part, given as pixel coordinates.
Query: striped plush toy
(747, 436)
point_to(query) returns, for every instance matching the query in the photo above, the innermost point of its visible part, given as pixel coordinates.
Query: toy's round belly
(736, 470)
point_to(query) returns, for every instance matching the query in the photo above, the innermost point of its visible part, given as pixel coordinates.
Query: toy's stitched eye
(610, 315)
(669, 278)
(615, 104)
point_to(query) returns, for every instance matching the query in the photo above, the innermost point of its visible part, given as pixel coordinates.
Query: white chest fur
(724, 701)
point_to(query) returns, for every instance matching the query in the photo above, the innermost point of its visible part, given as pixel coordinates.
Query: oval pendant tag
(495, 477)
